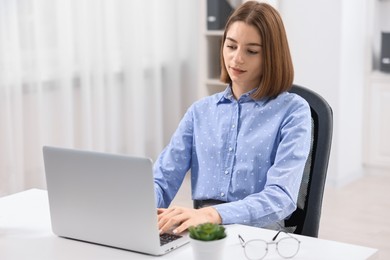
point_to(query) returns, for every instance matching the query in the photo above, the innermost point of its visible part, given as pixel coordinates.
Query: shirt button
(233, 126)
(226, 172)
(222, 194)
(230, 149)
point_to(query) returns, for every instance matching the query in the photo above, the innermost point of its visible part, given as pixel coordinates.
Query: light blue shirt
(248, 152)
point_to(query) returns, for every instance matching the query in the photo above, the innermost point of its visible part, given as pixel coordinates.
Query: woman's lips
(237, 71)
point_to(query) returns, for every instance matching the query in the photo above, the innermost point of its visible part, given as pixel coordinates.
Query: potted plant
(207, 241)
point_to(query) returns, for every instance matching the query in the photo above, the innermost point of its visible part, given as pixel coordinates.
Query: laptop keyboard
(166, 238)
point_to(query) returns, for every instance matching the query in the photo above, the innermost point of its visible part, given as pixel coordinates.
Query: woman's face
(242, 54)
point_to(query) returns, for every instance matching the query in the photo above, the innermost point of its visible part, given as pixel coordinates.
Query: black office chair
(306, 218)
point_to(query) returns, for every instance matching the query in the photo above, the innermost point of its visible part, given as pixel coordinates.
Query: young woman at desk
(246, 147)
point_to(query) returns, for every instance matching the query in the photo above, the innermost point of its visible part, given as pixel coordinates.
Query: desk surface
(25, 233)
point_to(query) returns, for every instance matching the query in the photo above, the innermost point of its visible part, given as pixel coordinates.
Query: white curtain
(103, 75)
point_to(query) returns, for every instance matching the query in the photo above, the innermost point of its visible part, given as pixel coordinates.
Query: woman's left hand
(180, 219)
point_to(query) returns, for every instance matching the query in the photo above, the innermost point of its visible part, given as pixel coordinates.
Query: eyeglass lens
(257, 249)
(288, 247)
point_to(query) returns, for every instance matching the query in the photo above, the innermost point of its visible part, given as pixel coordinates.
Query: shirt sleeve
(173, 163)
(278, 198)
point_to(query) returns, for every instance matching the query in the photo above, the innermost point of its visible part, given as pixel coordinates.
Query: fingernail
(160, 231)
(174, 231)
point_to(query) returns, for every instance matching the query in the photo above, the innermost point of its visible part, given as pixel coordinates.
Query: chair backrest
(306, 218)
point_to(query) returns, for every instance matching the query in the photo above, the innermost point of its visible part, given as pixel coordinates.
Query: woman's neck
(239, 90)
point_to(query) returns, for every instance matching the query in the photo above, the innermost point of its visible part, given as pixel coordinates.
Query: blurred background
(112, 76)
(117, 76)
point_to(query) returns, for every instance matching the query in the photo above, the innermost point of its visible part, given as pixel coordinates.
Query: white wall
(352, 80)
(327, 40)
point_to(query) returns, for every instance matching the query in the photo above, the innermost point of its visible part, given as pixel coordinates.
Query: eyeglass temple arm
(242, 241)
(277, 234)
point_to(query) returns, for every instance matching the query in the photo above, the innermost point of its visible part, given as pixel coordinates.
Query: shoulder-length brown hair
(278, 71)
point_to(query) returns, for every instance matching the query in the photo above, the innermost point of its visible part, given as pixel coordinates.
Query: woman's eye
(231, 47)
(252, 52)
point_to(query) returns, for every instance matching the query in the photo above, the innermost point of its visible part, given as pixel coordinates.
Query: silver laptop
(105, 199)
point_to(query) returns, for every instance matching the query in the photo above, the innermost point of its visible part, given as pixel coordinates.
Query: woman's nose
(237, 58)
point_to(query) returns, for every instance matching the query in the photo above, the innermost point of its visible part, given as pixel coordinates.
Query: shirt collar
(227, 96)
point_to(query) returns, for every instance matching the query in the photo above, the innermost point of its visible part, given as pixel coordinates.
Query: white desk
(25, 233)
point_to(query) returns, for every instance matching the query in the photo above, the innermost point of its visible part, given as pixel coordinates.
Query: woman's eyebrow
(249, 44)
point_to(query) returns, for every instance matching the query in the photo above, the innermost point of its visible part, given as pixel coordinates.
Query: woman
(246, 147)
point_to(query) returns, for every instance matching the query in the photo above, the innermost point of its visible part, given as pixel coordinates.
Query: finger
(195, 217)
(167, 223)
(174, 221)
(173, 217)
(164, 218)
(183, 227)
(164, 212)
(170, 226)
(160, 210)
(164, 215)
(170, 212)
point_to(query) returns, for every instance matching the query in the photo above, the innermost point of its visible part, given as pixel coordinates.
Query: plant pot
(208, 250)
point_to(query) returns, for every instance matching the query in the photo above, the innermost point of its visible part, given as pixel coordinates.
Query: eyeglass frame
(244, 243)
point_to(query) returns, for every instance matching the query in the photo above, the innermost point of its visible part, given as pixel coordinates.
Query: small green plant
(207, 232)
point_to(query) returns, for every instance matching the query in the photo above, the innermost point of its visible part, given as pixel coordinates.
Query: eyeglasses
(257, 249)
